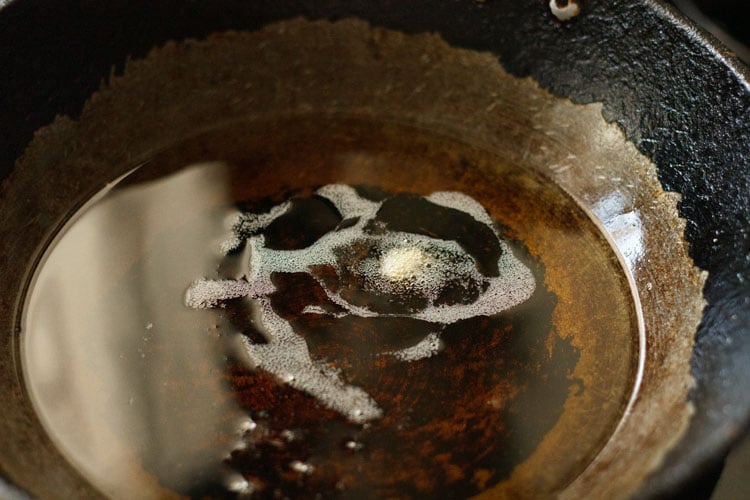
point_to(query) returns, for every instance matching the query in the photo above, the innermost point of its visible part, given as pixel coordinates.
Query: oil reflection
(114, 381)
(624, 225)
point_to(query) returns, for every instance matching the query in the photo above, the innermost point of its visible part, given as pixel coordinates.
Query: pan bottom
(147, 396)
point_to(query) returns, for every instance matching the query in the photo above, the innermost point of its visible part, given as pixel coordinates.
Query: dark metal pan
(678, 97)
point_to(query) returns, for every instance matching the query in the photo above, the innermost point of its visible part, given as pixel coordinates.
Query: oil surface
(145, 394)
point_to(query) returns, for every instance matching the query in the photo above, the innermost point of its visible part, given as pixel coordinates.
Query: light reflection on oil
(109, 336)
(624, 225)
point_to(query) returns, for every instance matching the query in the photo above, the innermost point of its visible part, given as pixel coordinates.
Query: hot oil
(359, 368)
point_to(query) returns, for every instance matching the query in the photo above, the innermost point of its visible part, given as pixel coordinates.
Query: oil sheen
(329, 306)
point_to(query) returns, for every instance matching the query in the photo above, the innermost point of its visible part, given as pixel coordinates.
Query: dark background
(728, 21)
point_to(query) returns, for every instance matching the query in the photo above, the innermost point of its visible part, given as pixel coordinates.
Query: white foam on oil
(237, 483)
(348, 202)
(312, 309)
(425, 348)
(464, 203)
(401, 263)
(248, 223)
(205, 293)
(423, 264)
(514, 285)
(286, 356)
(301, 467)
